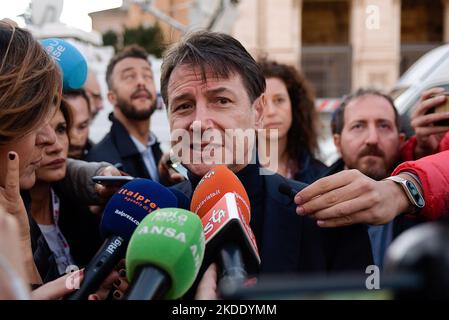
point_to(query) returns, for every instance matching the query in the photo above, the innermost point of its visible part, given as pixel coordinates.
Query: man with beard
(130, 145)
(367, 135)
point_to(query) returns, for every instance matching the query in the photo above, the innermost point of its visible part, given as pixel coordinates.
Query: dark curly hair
(303, 133)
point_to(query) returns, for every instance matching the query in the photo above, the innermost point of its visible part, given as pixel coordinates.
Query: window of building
(421, 29)
(326, 53)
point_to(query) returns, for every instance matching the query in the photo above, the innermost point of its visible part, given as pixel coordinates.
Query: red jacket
(407, 150)
(433, 171)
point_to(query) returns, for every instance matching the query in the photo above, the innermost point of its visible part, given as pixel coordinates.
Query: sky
(74, 12)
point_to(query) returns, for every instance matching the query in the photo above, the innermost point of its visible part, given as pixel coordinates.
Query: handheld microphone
(230, 240)
(213, 186)
(71, 62)
(422, 250)
(285, 189)
(164, 255)
(123, 213)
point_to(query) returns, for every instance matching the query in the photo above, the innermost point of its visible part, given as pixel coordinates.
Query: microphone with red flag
(223, 206)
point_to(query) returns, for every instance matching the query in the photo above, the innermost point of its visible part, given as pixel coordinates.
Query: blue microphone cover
(71, 62)
(183, 201)
(129, 205)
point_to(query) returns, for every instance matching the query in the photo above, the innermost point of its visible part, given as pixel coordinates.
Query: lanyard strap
(55, 208)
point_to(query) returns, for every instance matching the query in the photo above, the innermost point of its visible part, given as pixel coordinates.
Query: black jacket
(290, 243)
(78, 225)
(310, 168)
(118, 148)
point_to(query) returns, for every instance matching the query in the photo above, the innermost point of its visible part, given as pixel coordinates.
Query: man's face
(79, 131)
(93, 91)
(210, 107)
(133, 91)
(369, 141)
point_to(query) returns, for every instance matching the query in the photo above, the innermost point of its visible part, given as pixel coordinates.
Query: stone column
(375, 39)
(272, 28)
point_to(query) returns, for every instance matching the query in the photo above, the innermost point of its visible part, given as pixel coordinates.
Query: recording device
(123, 213)
(178, 167)
(71, 62)
(112, 180)
(444, 108)
(230, 240)
(285, 189)
(164, 255)
(422, 250)
(213, 186)
(221, 201)
(183, 201)
(415, 268)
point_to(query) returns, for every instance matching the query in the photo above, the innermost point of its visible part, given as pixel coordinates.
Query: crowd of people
(341, 218)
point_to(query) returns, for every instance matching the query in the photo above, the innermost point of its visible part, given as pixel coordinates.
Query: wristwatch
(411, 191)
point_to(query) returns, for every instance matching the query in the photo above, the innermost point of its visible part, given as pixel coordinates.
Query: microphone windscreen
(183, 201)
(213, 186)
(129, 205)
(71, 62)
(224, 224)
(171, 239)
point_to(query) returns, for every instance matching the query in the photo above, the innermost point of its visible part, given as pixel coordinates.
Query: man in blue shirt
(130, 145)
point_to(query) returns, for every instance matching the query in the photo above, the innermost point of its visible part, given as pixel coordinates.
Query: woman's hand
(57, 289)
(10, 198)
(11, 258)
(12, 202)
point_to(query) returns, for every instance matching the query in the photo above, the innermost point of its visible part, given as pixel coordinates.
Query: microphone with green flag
(164, 255)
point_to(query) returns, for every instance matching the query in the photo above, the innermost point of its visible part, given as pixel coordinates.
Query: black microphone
(230, 241)
(284, 188)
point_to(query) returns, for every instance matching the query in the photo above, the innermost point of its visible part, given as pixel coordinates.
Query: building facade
(339, 44)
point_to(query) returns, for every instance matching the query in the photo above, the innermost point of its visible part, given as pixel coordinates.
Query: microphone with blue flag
(123, 213)
(71, 62)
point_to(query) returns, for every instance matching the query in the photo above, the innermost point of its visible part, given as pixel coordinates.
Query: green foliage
(110, 38)
(150, 38)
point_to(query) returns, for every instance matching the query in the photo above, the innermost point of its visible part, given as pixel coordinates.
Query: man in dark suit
(212, 87)
(130, 145)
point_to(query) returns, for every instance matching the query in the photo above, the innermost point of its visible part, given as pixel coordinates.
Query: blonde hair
(30, 83)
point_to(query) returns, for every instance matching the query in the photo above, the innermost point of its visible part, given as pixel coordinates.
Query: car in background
(429, 71)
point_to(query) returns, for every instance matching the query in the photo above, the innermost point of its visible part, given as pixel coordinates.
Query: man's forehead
(131, 63)
(206, 76)
(369, 106)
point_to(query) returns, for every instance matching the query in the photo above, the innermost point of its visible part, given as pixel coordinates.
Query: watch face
(415, 194)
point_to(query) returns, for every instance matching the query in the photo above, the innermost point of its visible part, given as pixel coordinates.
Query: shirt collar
(140, 146)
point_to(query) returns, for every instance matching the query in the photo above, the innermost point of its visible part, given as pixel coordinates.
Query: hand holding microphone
(121, 217)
